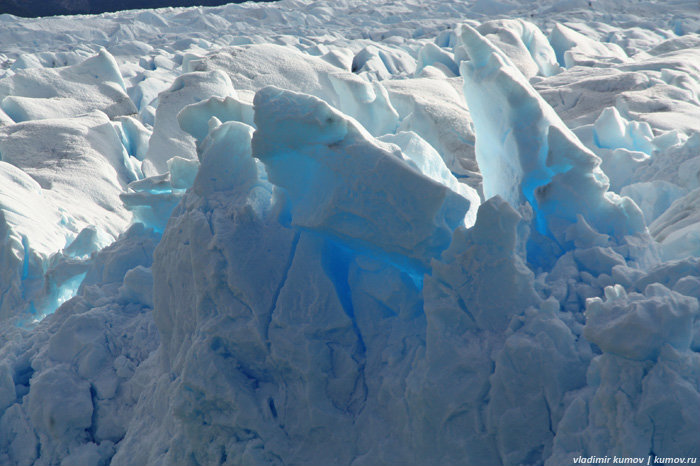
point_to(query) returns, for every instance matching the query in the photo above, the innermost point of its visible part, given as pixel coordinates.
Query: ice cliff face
(478, 247)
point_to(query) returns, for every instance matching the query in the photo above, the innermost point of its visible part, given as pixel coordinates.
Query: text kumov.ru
(632, 460)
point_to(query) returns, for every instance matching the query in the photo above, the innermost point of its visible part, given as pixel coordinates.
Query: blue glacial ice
(237, 236)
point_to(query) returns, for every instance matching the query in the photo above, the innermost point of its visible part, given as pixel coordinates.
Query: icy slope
(351, 233)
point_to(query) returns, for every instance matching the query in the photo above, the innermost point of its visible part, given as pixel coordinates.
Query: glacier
(360, 232)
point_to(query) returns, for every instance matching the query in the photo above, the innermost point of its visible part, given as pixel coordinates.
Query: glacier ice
(574, 48)
(39, 92)
(351, 233)
(527, 154)
(168, 139)
(525, 45)
(332, 169)
(76, 187)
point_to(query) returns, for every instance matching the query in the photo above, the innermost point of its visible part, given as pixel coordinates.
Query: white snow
(359, 232)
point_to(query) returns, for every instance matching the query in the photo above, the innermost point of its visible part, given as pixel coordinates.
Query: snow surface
(358, 232)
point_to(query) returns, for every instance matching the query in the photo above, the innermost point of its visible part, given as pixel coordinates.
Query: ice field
(351, 232)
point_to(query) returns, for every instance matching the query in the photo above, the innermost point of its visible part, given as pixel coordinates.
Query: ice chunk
(137, 286)
(527, 154)
(653, 197)
(573, 48)
(621, 165)
(381, 63)
(431, 54)
(418, 153)
(435, 110)
(525, 45)
(368, 103)
(495, 235)
(638, 326)
(182, 172)
(227, 163)
(342, 58)
(152, 207)
(194, 118)
(168, 140)
(60, 403)
(612, 132)
(331, 170)
(87, 242)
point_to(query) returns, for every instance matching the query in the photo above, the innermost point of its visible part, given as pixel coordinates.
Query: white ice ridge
(94, 84)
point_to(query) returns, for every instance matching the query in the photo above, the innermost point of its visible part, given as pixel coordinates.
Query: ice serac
(194, 119)
(524, 44)
(527, 154)
(300, 330)
(168, 139)
(341, 181)
(229, 344)
(70, 173)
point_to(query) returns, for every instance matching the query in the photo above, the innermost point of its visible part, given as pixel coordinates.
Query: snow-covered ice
(359, 232)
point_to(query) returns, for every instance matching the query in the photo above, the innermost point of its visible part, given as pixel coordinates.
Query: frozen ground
(351, 232)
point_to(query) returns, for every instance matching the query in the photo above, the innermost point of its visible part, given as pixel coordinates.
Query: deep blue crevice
(335, 260)
(25, 260)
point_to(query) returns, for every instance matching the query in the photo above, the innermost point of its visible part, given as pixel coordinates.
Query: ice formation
(351, 233)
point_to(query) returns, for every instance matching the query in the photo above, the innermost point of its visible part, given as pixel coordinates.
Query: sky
(36, 8)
